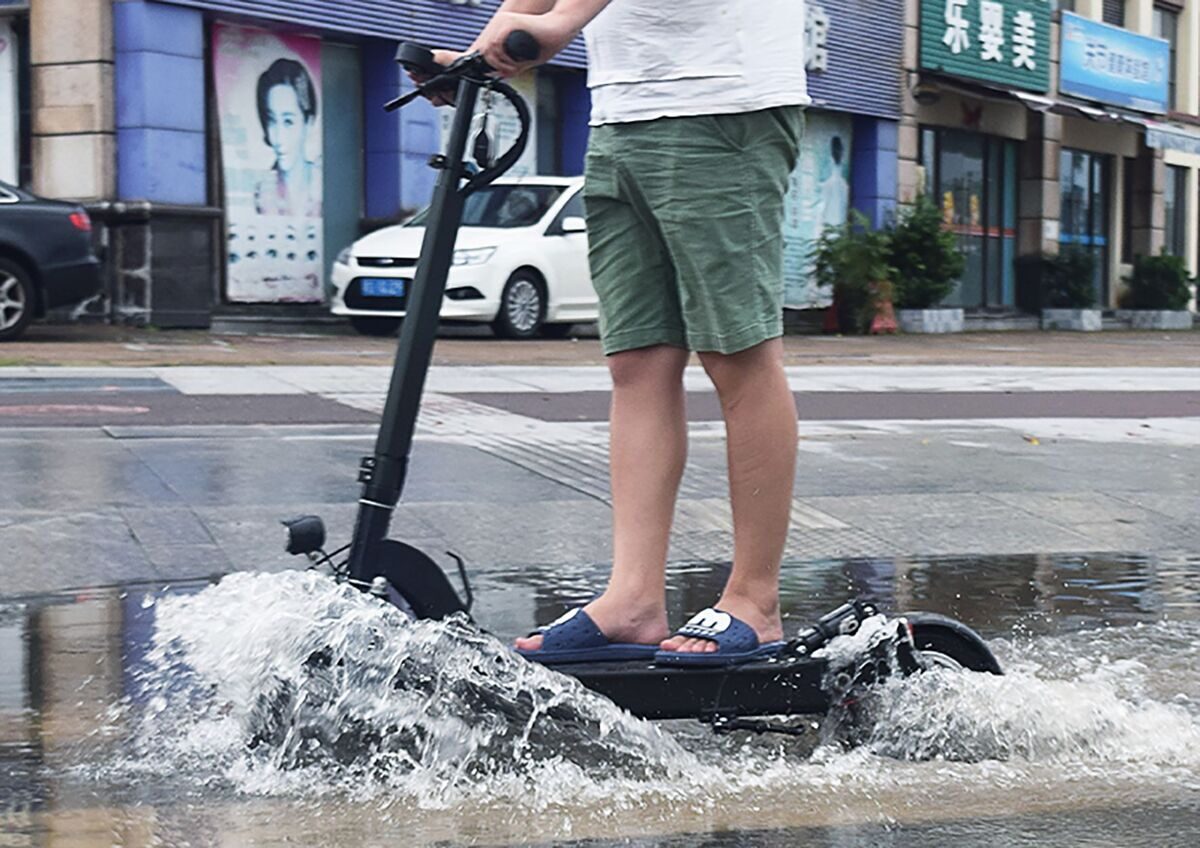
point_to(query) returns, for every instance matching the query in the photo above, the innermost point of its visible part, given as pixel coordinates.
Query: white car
(520, 264)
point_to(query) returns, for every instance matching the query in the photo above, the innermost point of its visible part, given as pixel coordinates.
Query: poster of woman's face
(267, 96)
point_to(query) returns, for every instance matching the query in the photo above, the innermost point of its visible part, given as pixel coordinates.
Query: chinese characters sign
(816, 38)
(1112, 65)
(1001, 41)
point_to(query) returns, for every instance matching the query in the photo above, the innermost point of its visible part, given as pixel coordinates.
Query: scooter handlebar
(522, 47)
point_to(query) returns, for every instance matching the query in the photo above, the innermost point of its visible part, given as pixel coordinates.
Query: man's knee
(728, 371)
(650, 365)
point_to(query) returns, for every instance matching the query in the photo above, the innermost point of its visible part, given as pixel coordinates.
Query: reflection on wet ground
(134, 715)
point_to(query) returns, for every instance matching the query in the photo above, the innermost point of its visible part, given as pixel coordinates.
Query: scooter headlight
(476, 256)
(305, 535)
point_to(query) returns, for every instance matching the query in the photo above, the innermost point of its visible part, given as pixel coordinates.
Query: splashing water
(293, 685)
(1099, 711)
(295, 675)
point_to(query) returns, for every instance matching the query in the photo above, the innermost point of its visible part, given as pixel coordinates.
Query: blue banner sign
(1113, 65)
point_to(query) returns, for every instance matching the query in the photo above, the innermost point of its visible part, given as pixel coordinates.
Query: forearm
(528, 7)
(577, 13)
(553, 24)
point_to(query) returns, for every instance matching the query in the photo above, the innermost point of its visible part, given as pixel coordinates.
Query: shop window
(929, 160)
(973, 178)
(344, 168)
(1085, 184)
(1175, 203)
(1166, 27)
(1114, 12)
(15, 116)
(1128, 192)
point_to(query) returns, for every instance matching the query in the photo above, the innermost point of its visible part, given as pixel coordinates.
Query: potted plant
(1157, 295)
(852, 260)
(1069, 293)
(926, 262)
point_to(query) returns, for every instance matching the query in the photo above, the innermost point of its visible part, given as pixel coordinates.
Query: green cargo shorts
(685, 226)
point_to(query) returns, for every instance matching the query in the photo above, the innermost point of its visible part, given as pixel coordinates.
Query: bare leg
(761, 433)
(648, 450)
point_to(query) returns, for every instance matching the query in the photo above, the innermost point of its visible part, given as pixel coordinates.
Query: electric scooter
(799, 680)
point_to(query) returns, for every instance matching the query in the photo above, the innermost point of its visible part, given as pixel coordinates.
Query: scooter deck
(787, 686)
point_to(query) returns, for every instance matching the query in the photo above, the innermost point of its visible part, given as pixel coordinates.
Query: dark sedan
(46, 258)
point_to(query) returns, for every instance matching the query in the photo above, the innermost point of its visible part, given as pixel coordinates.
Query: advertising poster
(819, 197)
(9, 112)
(268, 99)
(503, 125)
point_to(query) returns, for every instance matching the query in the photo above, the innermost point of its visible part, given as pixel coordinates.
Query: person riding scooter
(696, 125)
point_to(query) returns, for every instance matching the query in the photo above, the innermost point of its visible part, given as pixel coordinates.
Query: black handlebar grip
(522, 47)
(415, 57)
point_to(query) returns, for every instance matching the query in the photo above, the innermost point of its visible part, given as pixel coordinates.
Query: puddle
(196, 715)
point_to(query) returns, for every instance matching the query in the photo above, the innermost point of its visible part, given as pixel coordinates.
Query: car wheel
(557, 331)
(377, 327)
(522, 307)
(16, 300)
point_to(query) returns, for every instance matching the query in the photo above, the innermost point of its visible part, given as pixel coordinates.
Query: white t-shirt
(652, 59)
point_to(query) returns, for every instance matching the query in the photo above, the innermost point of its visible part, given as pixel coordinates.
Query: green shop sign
(996, 41)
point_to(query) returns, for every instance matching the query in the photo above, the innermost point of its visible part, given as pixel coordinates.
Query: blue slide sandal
(736, 642)
(575, 638)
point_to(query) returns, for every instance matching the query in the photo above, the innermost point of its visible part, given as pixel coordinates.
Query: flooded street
(189, 715)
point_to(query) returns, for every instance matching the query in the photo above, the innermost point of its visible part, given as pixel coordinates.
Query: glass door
(1086, 194)
(973, 177)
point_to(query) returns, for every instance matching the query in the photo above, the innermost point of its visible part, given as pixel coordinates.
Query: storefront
(848, 156)
(974, 55)
(252, 145)
(1104, 160)
(14, 92)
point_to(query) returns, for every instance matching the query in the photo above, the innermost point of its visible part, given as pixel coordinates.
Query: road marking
(71, 409)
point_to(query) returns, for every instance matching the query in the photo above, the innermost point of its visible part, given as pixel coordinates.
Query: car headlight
(343, 258)
(477, 256)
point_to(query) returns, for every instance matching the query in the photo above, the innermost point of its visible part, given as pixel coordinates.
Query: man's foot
(620, 621)
(767, 624)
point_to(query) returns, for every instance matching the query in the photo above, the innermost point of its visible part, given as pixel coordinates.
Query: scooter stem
(383, 474)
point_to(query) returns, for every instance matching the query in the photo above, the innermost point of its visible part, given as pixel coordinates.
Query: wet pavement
(126, 717)
(1053, 509)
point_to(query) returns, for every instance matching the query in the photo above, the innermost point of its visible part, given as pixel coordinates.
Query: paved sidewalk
(116, 346)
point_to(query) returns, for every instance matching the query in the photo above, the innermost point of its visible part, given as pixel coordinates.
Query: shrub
(852, 260)
(1158, 282)
(925, 257)
(1070, 279)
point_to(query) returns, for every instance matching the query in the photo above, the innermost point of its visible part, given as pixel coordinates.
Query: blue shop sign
(1113, 65)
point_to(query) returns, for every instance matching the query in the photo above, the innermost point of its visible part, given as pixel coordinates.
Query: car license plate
(384, 287)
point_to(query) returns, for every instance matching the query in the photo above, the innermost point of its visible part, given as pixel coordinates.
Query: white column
(74, 112)
(1093, 9)
(1139, 16)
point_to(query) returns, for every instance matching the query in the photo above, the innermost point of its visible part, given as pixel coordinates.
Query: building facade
(1036, 125)
(848, 156)
(231, 148)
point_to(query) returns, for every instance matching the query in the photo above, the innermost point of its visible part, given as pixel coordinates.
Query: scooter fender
(420, 583)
